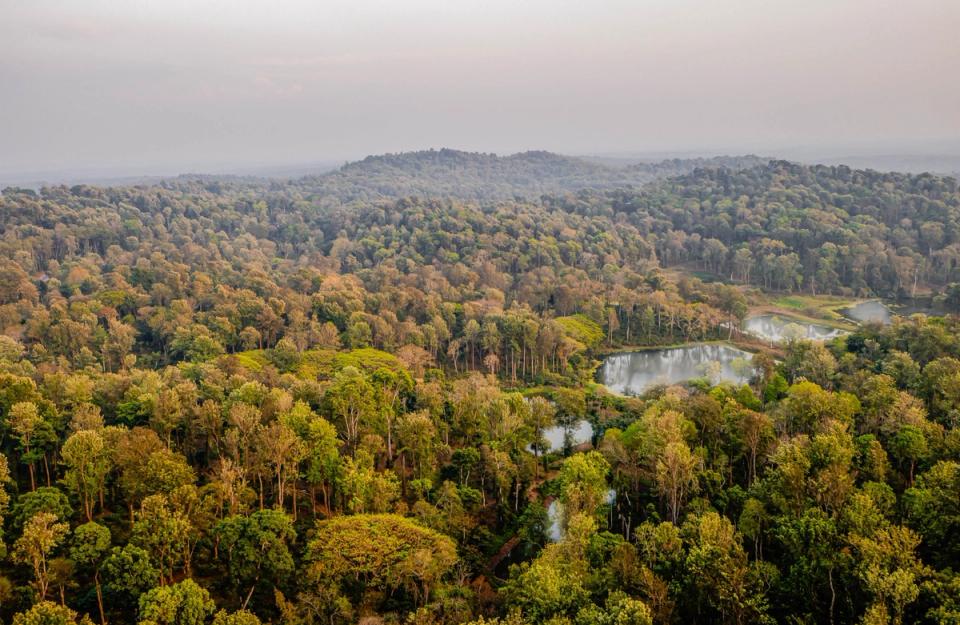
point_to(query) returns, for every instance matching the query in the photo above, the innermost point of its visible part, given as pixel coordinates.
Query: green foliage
(325, 398)
(184, 603)
(49, 613)
(257, 548)
(383, 551)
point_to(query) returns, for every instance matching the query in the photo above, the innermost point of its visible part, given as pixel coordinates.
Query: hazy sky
(189, 84)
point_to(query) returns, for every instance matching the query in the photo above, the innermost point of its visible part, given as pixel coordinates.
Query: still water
(635, 372)
(581, 433)
(774, 328)
(873, 311)
(555, 516)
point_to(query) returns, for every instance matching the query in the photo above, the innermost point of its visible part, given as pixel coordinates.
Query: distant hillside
(471, 175)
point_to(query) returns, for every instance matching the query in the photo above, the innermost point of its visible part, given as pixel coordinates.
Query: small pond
(873, 311)
(581, 433)
(775, 328)
(632, 373)
(554, 516)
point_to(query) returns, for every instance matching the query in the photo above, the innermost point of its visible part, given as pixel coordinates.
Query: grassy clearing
(324, 363)
(824, 309)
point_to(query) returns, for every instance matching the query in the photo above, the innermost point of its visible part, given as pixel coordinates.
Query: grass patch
(324, 363)
(253, 359)
(582, 328)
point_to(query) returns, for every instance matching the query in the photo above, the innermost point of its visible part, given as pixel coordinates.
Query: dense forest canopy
(469, 175)
(327, 400)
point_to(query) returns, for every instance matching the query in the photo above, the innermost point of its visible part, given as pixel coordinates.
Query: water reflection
(774, 328)
(581, 433)
(873, 311)
(635, 372)
(555, 516)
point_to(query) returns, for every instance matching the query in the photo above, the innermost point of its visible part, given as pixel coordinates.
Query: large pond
(873, 311)
(775, 328)
(632, 373)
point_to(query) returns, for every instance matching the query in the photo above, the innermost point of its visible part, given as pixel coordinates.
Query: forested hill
(787, 226)
(470, 175)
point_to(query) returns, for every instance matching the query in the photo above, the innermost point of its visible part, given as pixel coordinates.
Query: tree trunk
(96, 581)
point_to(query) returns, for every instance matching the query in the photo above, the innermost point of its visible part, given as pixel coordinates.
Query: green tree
(184, 603)
(88, 463)
(257, 549)
(128, 573)
(583, 484)
(49, 613)
(379, 551)
(717, 570)
(351, 400)
(889, 569)
(88, 549)
(164, 532)
(41, 535)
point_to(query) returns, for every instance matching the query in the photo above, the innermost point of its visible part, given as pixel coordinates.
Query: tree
(811, 361)
(164, 532)
(351, 399)
(241, 617)
(676, 476)
(128, 573)
(87, 462)
(41, 535)
(4, 500)
(909, 446)
(817, 552)
(717, 569)
(391, 386)
(620, 609)
(257, 548)
(888, 567)
(88, 549)
(323, 460)
(26, 421)
(583, 484)
(44, 499)
(379, 551)
(364, 489)
(184, 603)
(49, 613)
(283, 450)
(554, 585)
(542, 413)
(932, 508)
(755, 431)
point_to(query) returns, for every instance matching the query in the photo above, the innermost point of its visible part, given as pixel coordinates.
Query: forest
(328, 400)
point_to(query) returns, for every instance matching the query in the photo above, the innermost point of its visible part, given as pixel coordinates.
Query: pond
(632, 373)
(582, 433)
(555, 516)
(872, 311)
(775, 328)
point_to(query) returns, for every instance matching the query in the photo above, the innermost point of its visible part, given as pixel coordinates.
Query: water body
(873, 311)
(775, 328)
(554, 516)
(635, 372)
(582, 433)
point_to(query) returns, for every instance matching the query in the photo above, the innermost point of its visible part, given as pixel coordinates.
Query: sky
(161, 86)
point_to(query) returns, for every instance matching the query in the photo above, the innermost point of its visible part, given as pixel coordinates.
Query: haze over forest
(102, 90)
(479, 313)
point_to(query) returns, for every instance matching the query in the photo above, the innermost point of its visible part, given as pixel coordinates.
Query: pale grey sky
(194, 84)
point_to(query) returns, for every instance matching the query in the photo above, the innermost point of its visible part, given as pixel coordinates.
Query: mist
(175, 86)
